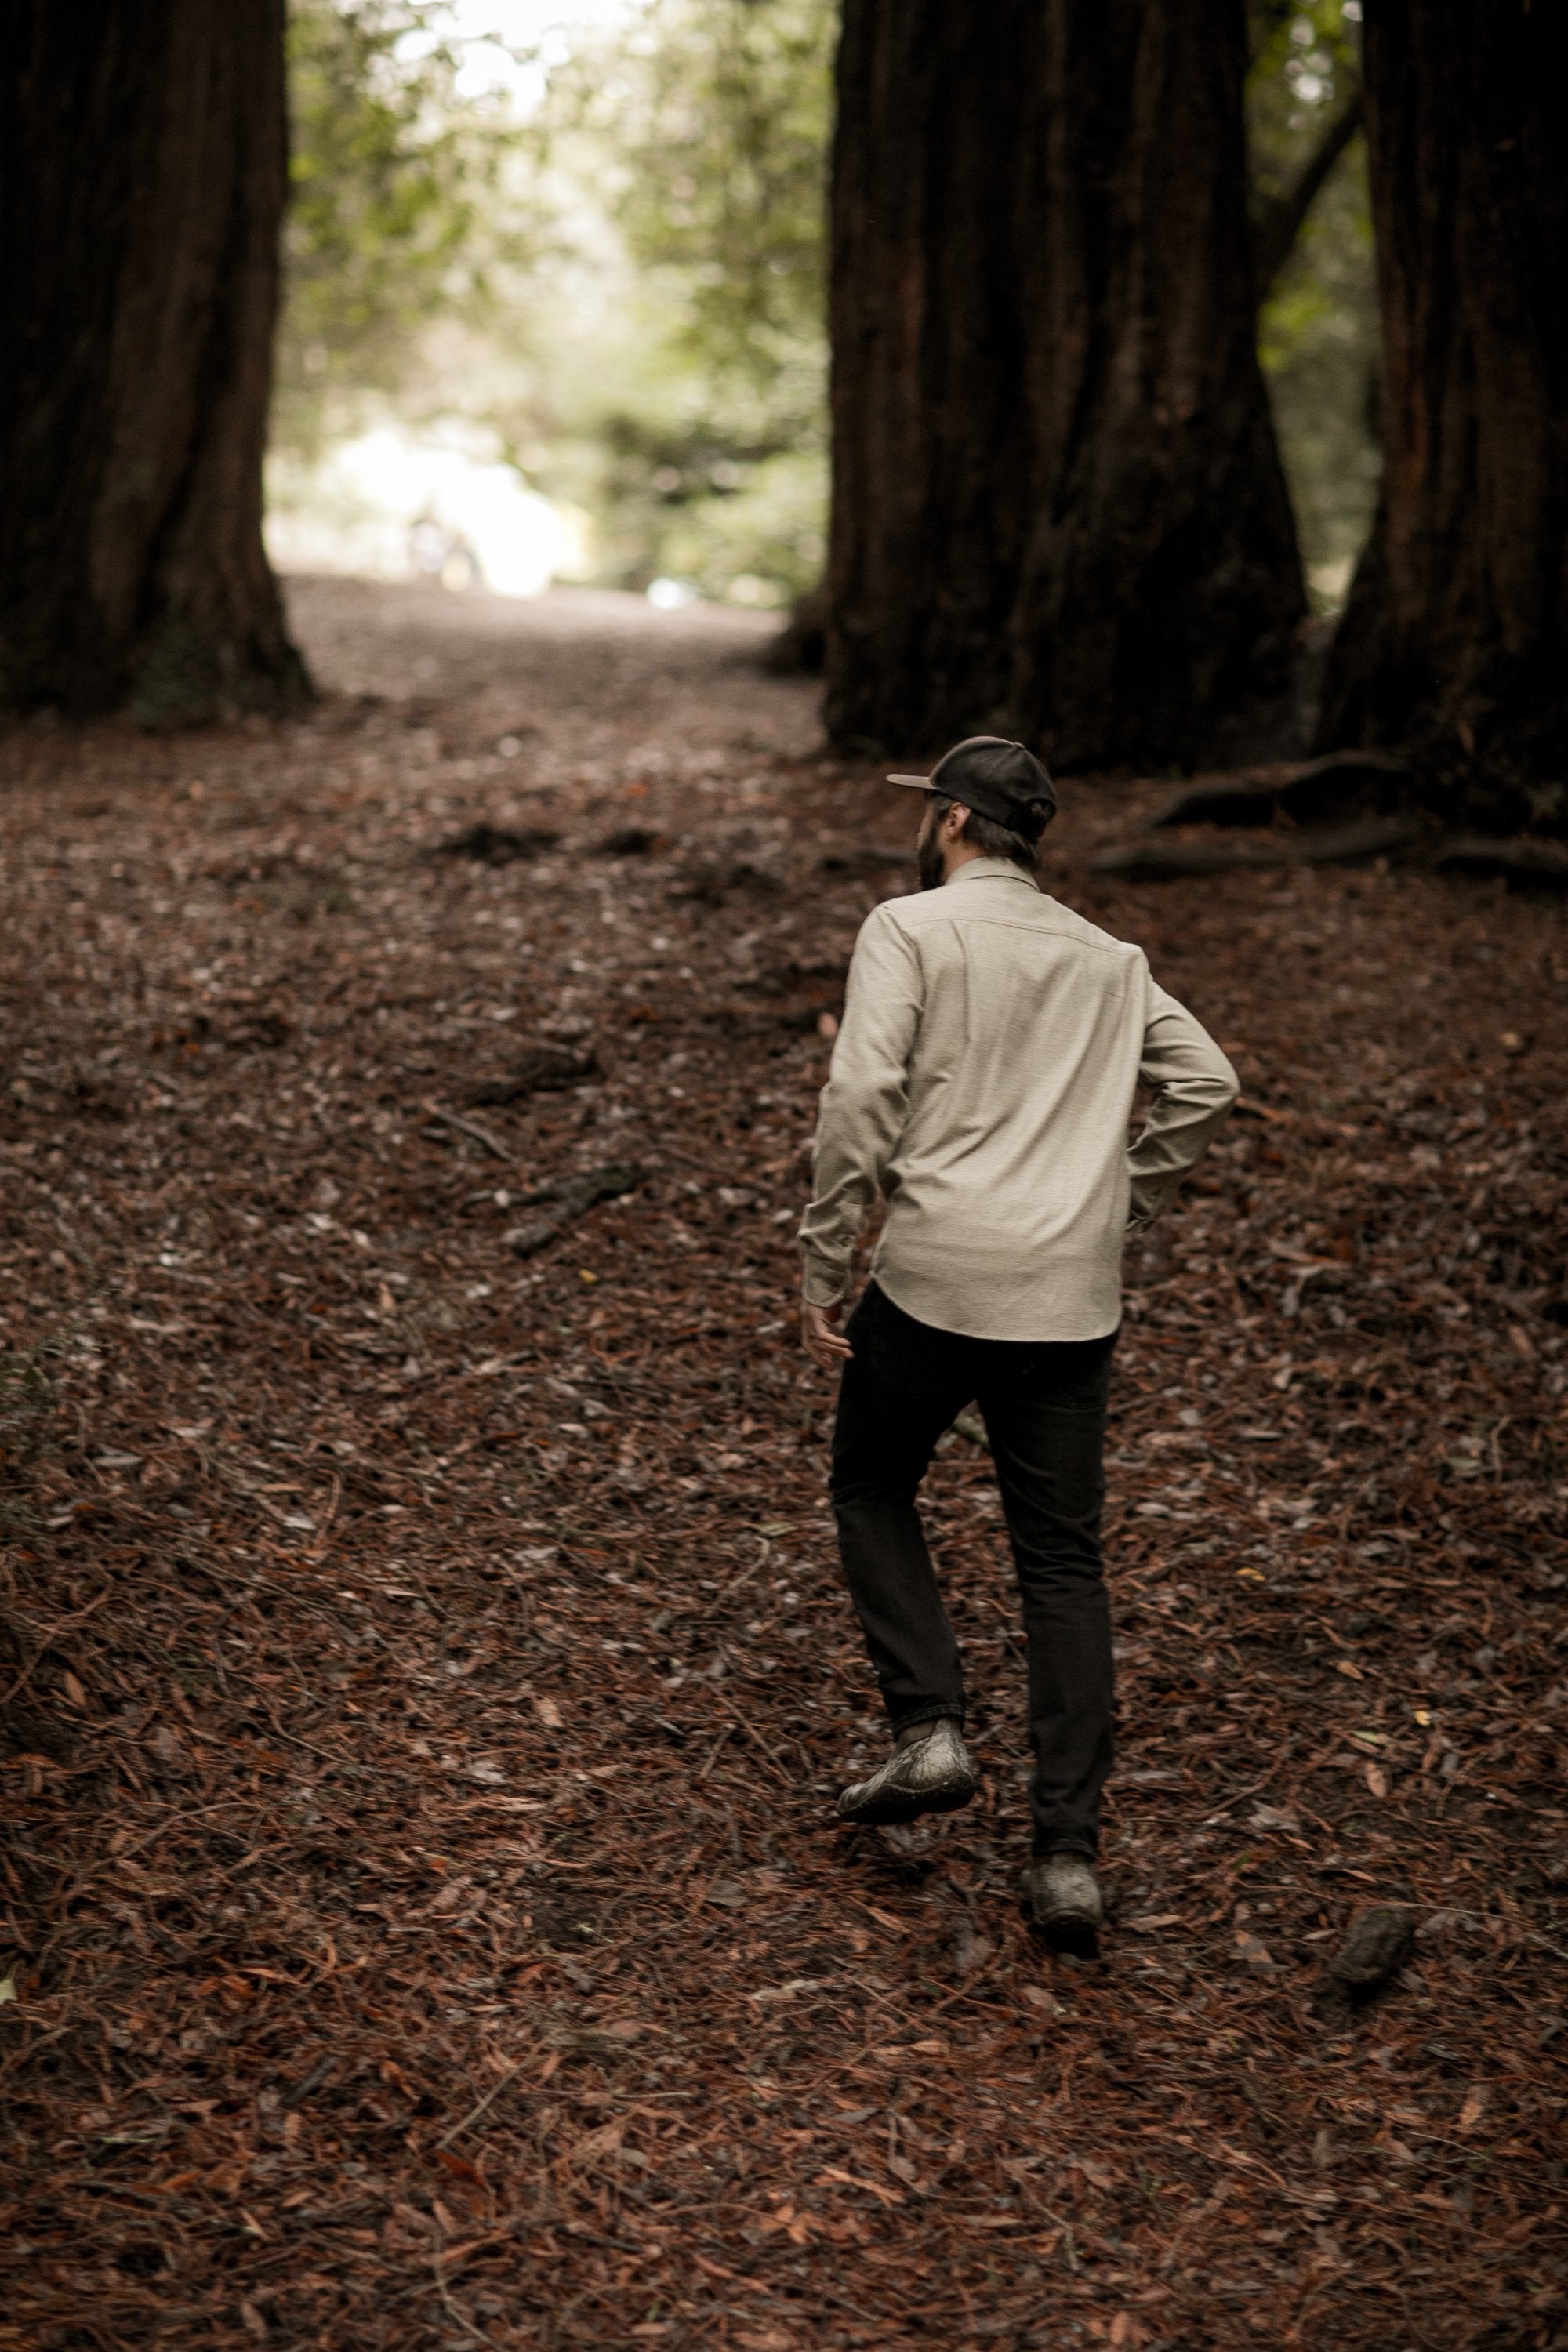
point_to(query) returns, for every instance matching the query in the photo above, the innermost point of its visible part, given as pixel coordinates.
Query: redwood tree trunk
(1455, 641)
(143, 152)
(1058, 509)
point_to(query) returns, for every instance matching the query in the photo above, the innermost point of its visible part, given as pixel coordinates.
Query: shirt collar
(990, 869)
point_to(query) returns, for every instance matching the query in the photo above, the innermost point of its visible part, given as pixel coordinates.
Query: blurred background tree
(702, 129)
(146, 149)
(1454, 643)
(1058, 506)
(624, 281)
(1318, 327)
(407, 209)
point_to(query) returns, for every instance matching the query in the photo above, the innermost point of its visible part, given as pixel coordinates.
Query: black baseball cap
(997, 778)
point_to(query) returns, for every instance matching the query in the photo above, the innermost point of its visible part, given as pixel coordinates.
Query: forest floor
(427, 1675)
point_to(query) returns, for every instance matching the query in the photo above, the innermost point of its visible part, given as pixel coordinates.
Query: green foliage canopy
(403, 206)
(1306, 58)
(704, 129)
(721, 118)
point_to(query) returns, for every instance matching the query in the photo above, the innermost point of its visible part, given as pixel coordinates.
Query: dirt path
(428, 1675)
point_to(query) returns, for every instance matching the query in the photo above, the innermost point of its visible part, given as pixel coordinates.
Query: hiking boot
(1062, 1897)
(930, 1773)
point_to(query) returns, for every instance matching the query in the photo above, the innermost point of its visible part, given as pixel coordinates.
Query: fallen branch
(570, 1197)
(1340, 785)
(476, 2112)
(468, 1127)
(1342, 844)
(497, 844)
(1543, 864)
(542, 1069)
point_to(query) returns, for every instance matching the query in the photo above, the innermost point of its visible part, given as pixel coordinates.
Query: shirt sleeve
(861, 1114)
(1194, 1088)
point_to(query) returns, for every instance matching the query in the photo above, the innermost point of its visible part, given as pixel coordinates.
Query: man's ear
(956, 819)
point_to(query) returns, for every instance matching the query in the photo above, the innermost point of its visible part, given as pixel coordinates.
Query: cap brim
(915, 783)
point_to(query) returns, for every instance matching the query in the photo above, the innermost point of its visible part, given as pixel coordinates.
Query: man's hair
(994, 840)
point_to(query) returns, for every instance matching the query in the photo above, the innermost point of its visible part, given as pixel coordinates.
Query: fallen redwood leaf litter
(427, 1673)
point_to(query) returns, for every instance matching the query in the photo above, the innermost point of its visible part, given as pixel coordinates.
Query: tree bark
(144, 166)
(1454, 639)
(1059, 511)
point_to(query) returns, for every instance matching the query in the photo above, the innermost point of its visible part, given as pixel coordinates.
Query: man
(982, 1083)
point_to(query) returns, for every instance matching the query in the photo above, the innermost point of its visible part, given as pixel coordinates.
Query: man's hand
(826, 1346)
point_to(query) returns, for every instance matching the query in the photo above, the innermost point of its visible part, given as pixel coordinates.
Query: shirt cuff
(821, 1286)
(1148, 1197)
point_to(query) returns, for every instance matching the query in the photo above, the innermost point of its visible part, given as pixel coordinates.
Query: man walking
(981, 1082)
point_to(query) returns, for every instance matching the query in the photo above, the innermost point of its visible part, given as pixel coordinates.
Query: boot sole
(892, 1811)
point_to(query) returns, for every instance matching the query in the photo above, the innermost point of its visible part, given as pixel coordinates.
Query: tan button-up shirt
(981, 1082)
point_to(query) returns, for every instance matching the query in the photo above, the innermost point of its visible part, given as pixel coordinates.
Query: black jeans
(1044, 1407)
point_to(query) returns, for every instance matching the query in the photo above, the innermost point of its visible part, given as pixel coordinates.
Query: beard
(930, 864)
